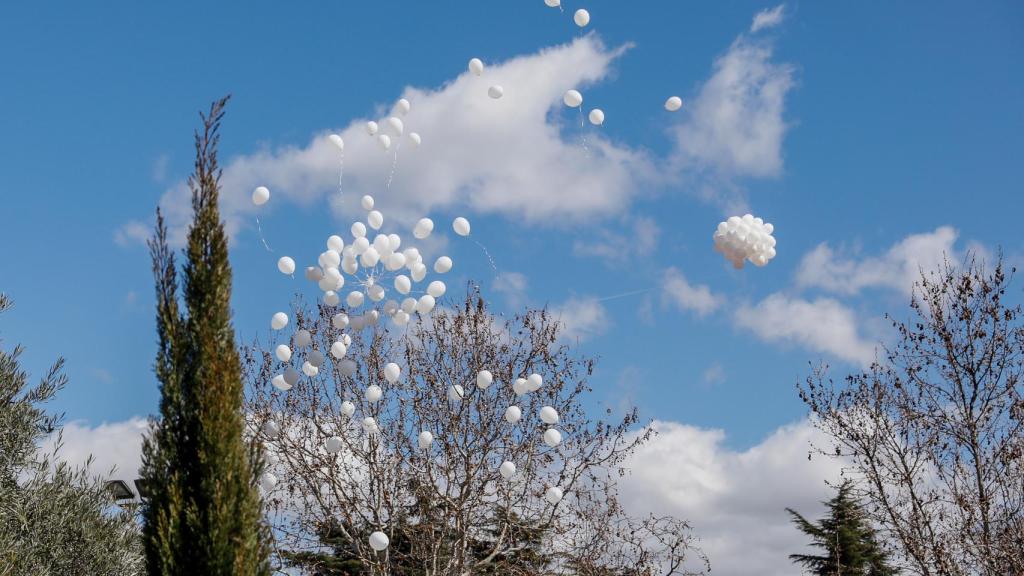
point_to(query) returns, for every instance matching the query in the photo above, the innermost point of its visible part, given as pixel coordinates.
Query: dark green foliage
(54, 519)
(849, 542)
(204, 513)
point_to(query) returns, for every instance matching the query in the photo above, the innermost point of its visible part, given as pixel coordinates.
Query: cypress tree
(203, 514)
(850, 543)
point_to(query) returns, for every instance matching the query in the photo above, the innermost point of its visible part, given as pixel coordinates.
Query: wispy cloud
(768, 18)
(677, 291)
(582, 318)
(132, 233)
(615, 247)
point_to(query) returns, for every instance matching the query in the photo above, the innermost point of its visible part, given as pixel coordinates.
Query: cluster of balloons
(745, 238)
(573, 99)
(388, 130)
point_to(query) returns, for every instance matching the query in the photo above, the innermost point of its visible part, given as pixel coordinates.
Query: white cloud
(823, 325)
(618, 248)
(132, 232)
(768, 18)
(505, 156)
(581, 318)
(735, 500)
(679, 292)
(512, 285)
(714, 374)
(897, 269)
(734, 127)
(111, 444)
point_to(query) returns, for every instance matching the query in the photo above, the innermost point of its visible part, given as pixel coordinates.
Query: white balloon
(596, 117)
(391, 372)
(581, 17)
(415, 138)
(423, 228)
(572, 98)
(348, 408)
(303, 338)
(394, 242)
(334, 444)
(309, 370)
(340, 321)
(331, 298)
(409, 305)
(534, 382)
(553, 495)
(553, 3)
(338, 350)
(291, 376)
(461, 226)
(379, 541)
(442, 265)
(476, 66)
(375, 219)
(366, 202)
(520, 386)
(349, 265)
(396, 125)
(425, 304)
(395, 261)
(496, 91)
(283, 352)
(370, 425)
(513, 414)
(260, 195)
(412, 257)
(354, 299)
(279, 320)
(403, 106)
(269, 457)
(329, 259)
(549, 415)
(401, 318)
(271, 429)
(358, 231)
(280, 383)
(403, 284)
(268, 481)
(456, 393)
(314, 273)
(419, 272)
(673, 104)
(371, 128)
(373, 393)
(337, 141)
(436, 288)
(331, 281)
(507, 469)
(346, 339)
(552, 437)
(425, 440)
(484, 378)
(384, 141)
(347, 367)
(286, 265)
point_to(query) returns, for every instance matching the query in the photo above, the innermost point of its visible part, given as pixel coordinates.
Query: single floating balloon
(396, 125)
(476, 66)
(340, 321)
(331, 298)
(260, 195)
(336, 243)
(366, 202)
(384, 141)
(436, 289)
(283, 353)
(552, 437)
(456, 393)
(553, 495)
(581, 18)
(354, 299)
(596, 117)
(309, 370)
(379, 541)
(520, 386)
(484, 379)
(414, 137)
(673, 104)
(370, 425)
(553, 3)
(279, 321)
(373, 393)
(286, 265)
(337, 141)
(338, 350)
(442, 265)
(425, 304)
(391, 372)
(271, 429)
(402, 106)
(513, 414)
(334, 444)
(371, 128)
(507, 469)
(425, 440)
(461, 226)
(423, 228)
(549, 415)
(496, 91)
(280, 383)
(403, 285)
(534, 382)
(572, 98)
(348, 408)
(268, 481)
(375, 219)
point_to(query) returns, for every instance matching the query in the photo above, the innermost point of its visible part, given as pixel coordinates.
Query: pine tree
(850, 543)
(203, 515)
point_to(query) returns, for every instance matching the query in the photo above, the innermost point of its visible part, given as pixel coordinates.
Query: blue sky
(876, 136)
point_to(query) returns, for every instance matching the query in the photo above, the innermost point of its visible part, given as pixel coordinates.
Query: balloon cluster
(388, 130)
(746, 238)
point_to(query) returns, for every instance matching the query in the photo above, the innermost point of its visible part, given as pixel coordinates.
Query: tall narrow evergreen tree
(203, 515)
(850, 543)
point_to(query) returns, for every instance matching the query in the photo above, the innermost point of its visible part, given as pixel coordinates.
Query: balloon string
(341, 177)
(259, 228)
(489, 259)
(624, 294)
(583, 125)
(394, 165)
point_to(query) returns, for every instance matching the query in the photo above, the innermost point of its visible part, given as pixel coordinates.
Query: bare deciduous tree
(935, 429)
(448, 510)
